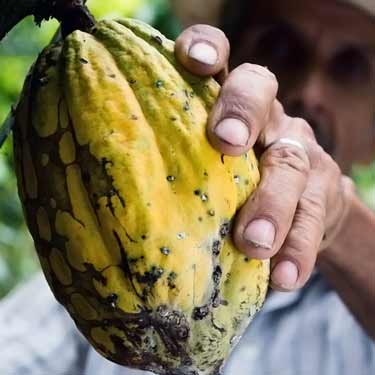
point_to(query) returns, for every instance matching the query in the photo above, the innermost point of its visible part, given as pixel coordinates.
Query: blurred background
(18, 50)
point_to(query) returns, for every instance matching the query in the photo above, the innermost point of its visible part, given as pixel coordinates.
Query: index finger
(203, 50)
(243, 109)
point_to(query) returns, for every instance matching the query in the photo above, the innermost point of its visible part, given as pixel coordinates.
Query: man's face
(323, 54)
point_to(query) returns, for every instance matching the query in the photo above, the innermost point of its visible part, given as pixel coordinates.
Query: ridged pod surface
(129, 205)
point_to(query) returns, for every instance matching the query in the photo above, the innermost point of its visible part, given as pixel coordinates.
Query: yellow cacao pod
(129, 205)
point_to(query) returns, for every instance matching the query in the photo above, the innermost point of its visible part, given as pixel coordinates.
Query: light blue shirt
(309, 332)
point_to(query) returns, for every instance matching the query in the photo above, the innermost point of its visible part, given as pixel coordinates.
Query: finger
(203, 50)
(293, 264)
(264, 221)
(242, 109)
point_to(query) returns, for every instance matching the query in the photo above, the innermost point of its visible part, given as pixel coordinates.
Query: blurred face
(323, 54)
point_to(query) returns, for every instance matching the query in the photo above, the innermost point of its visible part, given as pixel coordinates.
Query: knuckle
(239, 103)
(312, 210)
(286, 157)
(348, 185)
(278, 109)
(303, 127)
(257, 70)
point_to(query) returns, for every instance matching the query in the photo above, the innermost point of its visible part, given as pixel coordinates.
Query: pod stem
(73, 15)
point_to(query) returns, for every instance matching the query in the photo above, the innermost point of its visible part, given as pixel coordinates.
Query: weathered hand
(302, 198)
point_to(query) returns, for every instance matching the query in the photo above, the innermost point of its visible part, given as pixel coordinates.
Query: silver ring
(289, 141)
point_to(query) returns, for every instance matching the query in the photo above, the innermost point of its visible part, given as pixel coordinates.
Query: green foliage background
(18, 50)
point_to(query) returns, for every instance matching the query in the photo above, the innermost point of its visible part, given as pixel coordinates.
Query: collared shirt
(308, 332)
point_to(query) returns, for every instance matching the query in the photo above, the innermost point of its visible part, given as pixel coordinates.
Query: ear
(192, 12)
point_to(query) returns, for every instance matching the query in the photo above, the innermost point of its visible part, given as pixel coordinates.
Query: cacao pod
(129, 206)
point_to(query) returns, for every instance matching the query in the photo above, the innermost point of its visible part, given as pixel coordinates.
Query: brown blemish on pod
(44, 226)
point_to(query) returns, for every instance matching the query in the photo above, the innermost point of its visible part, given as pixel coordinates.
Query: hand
(302, 198)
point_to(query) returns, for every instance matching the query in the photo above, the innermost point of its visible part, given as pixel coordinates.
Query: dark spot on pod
(215, 298)
(216, 276)
(86, 177)
(199, 313)
(192, 94)
(143, 236)
(159, 83)
(205, 174)
(236, 179)
(223, 302)
(216, 247)
(171, 280)
(43, 81)
(204, 197)
(173, 118)
(105, 161)
(189, 362)
(211, 212)
(150, 277)
(171, 178)
(186, 106)
(92, 273)
(200, 218)
(112, 75)
(243, 289)
(132, 81)
(83, 61)
(222, 158)
(224, 229)
(134, 117)
(173, 323)
(183, 333)
(247, 182)
(111, 193)
(164, 250)
(246, 259)
(158, 39)
(197, 192)
(112, 300)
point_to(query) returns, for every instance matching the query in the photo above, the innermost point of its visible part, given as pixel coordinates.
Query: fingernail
(285, 275)
(233, 131)
(203, 53)
(260, 233)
